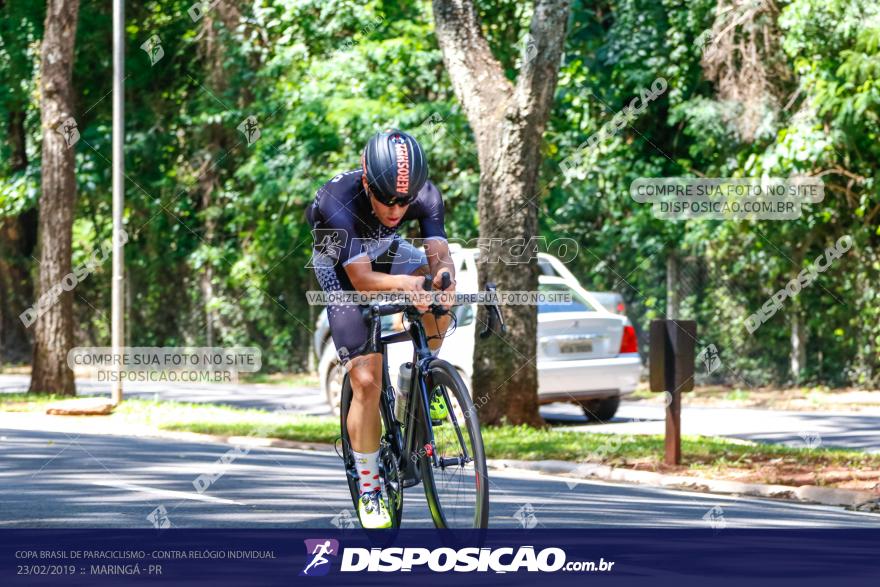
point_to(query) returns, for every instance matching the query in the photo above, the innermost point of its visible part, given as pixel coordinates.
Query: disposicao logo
(319, 549)
(442, 560)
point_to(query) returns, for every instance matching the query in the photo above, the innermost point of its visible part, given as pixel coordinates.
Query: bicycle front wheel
(457, 482)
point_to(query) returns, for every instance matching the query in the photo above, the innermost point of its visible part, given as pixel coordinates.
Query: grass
(290, 379)
(15, 369)
(737, 394)
(28, 402)
(501, 442)
(298, 428)
(229, 421)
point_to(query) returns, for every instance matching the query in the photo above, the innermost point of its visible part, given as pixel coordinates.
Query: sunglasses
(393, 201)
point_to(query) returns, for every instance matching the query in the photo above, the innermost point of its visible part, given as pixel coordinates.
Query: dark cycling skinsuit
(346, 229)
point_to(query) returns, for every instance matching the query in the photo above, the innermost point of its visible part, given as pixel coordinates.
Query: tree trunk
(53, 330)
(798, 335)
(673, 281)
(798, 356)
(508, 122)
(207, 185)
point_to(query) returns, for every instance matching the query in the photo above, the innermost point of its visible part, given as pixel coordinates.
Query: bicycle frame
(404, 444)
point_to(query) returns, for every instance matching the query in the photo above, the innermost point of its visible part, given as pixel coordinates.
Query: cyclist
(355, 218)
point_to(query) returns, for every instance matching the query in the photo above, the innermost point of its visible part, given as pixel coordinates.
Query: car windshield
(578, 302)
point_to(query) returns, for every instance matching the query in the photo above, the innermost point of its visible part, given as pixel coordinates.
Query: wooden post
(672, 352)
(673, 429)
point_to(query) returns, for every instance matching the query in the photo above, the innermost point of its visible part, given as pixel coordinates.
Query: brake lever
(428, 284)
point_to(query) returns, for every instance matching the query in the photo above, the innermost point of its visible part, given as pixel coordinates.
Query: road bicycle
(447, 455)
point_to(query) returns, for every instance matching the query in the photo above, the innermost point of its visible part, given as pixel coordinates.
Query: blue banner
(426, 557)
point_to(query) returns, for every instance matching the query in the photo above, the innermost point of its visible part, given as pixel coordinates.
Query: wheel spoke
(458, 497)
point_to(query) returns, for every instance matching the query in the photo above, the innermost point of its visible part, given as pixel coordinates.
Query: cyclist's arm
(363, 278)
(439, 260)
(431, 222)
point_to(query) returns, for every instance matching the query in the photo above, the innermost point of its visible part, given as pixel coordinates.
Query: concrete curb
(861, 500)
(86, 406)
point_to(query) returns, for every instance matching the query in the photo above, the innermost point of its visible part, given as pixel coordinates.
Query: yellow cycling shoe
(439, 411)
(372, 511)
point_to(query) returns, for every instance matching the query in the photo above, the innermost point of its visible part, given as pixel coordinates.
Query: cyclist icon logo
(68, 130)
(710, 358)
(250, 128)
(153, 48)
(331, 245)
(318, 549)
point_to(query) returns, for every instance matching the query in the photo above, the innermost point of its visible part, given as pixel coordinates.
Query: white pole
(117, 325)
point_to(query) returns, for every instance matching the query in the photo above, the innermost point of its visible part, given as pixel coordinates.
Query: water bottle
(402, 392)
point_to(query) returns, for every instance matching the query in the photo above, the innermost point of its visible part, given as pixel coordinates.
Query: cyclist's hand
(413, 285)
(447, 298)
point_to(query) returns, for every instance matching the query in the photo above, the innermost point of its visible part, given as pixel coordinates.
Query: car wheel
(335, 375)
(600, 410)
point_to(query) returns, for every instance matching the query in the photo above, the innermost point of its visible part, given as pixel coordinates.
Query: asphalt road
(52, 479)
(859, 430)
(855, 430)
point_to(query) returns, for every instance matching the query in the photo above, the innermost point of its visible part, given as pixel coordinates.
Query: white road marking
(168, 493)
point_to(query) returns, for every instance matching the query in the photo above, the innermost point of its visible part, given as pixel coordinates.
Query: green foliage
(730, 268)
(204, 208)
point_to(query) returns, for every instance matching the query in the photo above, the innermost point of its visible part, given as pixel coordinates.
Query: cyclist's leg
(350, 334)
(433, 326)
(364, 423)
(364, 427)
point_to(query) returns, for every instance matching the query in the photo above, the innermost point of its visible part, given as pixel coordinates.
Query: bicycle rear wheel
(457, 487)
(388, 469)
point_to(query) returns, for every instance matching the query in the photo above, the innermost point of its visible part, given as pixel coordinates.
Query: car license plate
(583, 345)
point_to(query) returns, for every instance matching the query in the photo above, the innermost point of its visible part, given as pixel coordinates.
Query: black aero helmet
(395, 168)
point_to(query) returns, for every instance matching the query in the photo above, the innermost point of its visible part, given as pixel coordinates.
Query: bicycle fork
(430, 446)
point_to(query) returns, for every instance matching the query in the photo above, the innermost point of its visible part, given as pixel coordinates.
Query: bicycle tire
(441, 373)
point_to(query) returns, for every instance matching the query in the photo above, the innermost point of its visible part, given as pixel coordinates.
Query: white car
(585, 354)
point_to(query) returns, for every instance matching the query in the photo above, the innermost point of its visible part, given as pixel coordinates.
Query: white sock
(368, 470)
